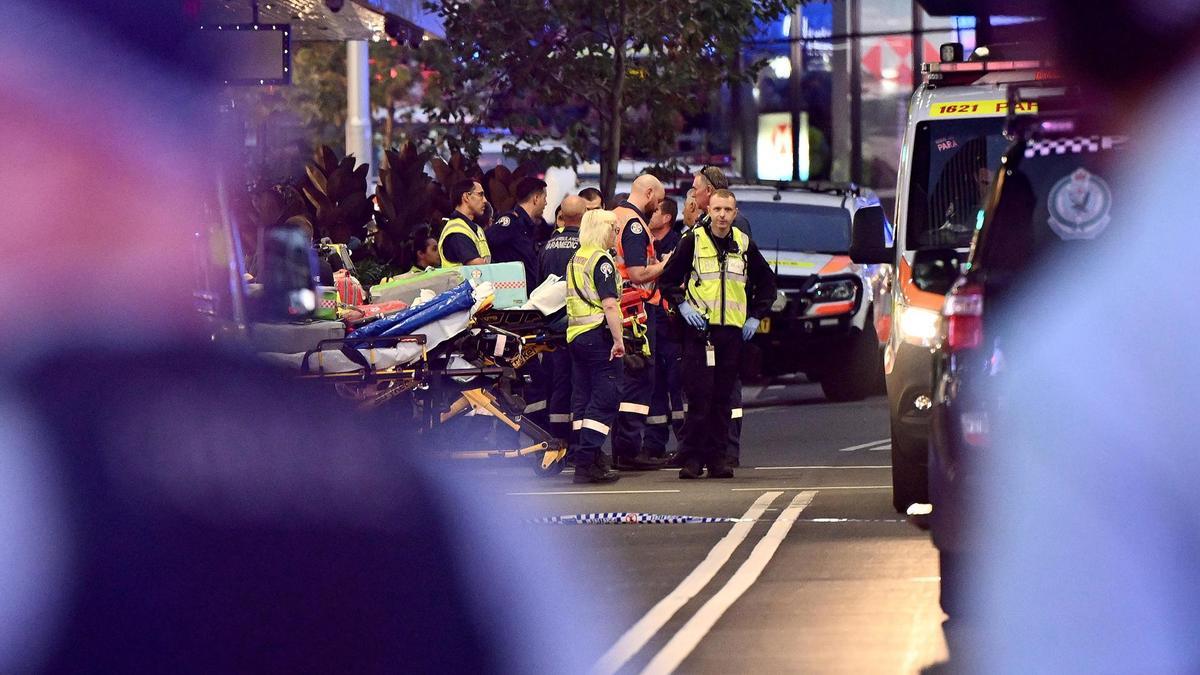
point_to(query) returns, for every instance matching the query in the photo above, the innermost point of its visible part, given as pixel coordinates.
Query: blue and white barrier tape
(626, 518)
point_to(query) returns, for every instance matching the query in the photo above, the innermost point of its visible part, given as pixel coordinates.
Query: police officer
(707, 181)
(462, 241)
(721, 286)
(640, 268)
(511, 237)
(666, 405)
(596, 344)
(554, 259)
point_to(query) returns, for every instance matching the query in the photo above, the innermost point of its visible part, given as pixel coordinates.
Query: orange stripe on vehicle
(837, 264)
(828, 308)
(914, 296)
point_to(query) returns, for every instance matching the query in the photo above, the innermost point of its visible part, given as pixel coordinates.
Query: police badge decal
(1079, 205)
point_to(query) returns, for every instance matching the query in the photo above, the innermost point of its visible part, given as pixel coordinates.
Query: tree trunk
(610, 148)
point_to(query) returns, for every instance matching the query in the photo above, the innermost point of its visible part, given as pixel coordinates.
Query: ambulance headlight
(918, 326)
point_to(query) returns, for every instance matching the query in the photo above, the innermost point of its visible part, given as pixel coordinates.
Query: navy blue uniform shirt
(605, 276)
(511, 240)
(557, 253)
(634, 238)
(667, 244)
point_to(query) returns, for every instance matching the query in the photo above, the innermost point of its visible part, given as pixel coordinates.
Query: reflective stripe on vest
(716, 287)
(649, 290)
(460, 226)
(585, 309)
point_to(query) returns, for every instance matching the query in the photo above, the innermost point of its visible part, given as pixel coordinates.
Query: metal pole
(358, 105)
(795, 99)
(856, 153)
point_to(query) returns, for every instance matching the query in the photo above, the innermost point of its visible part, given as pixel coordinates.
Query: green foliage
(595, 75)
(336, 193)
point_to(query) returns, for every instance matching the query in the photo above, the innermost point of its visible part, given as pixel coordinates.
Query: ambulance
(951, 150)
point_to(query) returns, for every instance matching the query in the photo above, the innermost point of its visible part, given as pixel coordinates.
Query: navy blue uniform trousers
(595, 384)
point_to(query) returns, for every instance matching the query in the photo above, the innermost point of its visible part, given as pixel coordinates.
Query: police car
(821, 323)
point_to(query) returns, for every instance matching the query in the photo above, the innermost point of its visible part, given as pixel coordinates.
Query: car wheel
(910, 480)
(858, 372)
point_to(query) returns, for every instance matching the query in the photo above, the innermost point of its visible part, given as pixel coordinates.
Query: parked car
(822, 321)
(1045, 210)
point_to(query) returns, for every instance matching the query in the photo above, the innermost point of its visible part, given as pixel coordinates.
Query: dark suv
(1047, 205)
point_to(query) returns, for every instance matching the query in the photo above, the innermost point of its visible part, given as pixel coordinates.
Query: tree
(596, 75)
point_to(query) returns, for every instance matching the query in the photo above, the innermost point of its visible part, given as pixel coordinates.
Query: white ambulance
(952, 148)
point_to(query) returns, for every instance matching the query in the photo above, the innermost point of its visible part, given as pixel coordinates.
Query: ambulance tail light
(963, 314)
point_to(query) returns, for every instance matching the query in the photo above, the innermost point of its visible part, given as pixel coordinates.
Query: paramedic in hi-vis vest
(462, 241)
(640, 269)
(596, 344)
(720, 285)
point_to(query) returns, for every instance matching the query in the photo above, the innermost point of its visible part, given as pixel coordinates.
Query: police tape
(627, 518)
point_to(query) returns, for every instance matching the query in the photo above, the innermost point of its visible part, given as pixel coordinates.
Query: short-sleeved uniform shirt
(458, 248)
(635, 238)
(604, 274)
(511, 240)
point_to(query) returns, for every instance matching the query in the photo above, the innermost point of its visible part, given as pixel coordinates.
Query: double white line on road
(882, 444)
(685, 640)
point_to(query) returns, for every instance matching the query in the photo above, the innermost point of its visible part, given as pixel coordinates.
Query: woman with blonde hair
(595, 344)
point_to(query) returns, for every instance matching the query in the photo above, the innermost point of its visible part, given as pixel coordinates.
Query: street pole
(358, 106)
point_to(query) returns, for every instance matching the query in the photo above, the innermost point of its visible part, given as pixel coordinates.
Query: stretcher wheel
(552, 470)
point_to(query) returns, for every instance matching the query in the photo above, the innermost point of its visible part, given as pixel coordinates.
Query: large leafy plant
(407, 199)
(336, 193)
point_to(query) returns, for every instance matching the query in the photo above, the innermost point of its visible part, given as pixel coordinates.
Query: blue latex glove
(691, 316)
(749, 328)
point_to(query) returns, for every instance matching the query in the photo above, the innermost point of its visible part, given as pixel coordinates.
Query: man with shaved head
(640, 269)
(555, 256)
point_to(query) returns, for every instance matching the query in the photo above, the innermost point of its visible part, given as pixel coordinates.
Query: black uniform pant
(595, 382)
(666, 404)
(637, 388)
(558, 363)
(709, 392)
(734, 451)
(537, 390)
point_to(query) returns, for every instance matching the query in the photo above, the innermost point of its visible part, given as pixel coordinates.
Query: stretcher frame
(427, 383)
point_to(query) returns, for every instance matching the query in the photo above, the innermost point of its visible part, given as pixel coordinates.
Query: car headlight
(833, 291)
(918, 325)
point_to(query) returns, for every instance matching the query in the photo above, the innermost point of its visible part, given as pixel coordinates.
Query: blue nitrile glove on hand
(691, 316)
(749, 328)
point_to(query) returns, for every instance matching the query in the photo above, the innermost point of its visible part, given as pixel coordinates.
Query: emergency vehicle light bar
(980, 66)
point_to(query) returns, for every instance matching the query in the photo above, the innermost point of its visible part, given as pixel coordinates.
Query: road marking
(640, 633)
(780, 468)
(685, 640)
(865, 445)
(588, 492)
(852, 520)
(816, 487)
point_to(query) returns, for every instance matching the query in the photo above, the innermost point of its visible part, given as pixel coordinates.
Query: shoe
(674, 461)
(659, 454)
(720, 470)
(691, 470)
(638, 463)
(596, 475)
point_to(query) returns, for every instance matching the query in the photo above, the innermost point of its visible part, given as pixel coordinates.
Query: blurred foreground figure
(1090, 529)
(168, 505)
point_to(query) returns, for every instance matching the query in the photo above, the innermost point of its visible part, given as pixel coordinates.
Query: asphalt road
(819, 574)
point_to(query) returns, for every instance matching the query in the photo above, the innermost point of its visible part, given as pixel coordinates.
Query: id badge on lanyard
(710, 354)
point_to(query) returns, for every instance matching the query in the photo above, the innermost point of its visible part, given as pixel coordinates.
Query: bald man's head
(647, 193)
(572, 210)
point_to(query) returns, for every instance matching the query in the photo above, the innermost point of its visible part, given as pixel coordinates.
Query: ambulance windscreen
(953, 164)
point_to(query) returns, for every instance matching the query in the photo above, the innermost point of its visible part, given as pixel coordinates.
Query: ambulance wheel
(550, 471)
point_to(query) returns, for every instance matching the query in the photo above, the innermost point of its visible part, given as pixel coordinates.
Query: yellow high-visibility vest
(718, 288)
(585, 309)
(474, 233)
